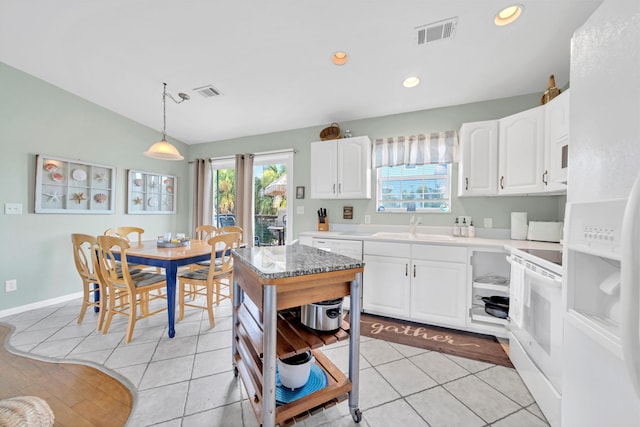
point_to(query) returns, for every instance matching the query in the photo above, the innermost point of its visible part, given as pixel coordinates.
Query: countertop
(423, 237)
(277, 262)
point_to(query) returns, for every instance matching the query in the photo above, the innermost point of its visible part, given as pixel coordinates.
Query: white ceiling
(271, 59)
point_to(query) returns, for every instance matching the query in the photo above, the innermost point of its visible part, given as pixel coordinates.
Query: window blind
(422, 149)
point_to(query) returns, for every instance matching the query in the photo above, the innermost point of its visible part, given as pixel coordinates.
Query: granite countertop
(277, 262)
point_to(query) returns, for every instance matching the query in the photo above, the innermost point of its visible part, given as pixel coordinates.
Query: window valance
(422, 149)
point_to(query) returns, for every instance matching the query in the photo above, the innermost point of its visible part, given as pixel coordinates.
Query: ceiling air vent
(435, 31)
(207, 91)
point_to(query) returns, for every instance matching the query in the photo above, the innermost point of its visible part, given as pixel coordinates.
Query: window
(422, 188)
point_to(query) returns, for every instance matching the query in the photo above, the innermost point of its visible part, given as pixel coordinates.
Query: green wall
(39, 118)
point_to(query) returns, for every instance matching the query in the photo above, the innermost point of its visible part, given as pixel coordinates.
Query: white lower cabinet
(423, 283)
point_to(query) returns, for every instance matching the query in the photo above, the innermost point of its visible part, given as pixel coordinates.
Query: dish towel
(517, 293)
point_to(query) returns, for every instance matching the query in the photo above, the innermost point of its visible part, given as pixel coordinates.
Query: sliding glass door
(271, 191)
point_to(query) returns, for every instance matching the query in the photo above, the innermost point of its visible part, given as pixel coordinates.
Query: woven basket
(331, 132)
(23, 411)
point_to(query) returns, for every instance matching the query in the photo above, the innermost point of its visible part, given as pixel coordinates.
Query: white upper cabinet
(521, 152)
(341, 169)
(556, 120)
(478, 166)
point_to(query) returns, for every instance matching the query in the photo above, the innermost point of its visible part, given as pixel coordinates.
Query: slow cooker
(322, 316)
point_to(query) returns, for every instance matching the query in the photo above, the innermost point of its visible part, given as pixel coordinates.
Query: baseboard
(39, 304)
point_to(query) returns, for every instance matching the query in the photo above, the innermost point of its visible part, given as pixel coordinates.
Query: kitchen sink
(417, 236)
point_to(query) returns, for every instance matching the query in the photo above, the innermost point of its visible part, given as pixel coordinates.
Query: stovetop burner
(552, 256)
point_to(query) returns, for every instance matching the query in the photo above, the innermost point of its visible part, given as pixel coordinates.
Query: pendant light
(164, 150)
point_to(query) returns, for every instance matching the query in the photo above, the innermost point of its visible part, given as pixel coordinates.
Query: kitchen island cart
(267, 283)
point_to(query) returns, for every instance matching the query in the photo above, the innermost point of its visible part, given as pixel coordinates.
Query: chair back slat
(125, 232)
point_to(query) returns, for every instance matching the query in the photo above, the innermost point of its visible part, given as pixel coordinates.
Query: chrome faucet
(413, 223)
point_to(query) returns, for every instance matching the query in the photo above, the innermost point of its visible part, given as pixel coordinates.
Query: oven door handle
(544, 279)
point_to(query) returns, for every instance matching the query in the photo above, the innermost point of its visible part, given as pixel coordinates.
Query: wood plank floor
(79, 395)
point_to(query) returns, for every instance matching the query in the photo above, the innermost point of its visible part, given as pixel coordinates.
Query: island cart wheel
(356, 414)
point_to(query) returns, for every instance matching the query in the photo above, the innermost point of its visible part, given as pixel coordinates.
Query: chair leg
(85, 301)
(110, 310)
(181, 299)
(102, 306)
(212, 322)
(131, 323)
(144, 303)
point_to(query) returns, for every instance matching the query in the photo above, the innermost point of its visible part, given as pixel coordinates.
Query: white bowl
(294, 371)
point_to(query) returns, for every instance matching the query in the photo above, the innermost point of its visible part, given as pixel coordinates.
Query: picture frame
(73, 186)
(300, 192)
(151, 192)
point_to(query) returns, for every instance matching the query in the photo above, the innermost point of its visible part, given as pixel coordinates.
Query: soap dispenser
(472, 230)
(464, 229)
(456, 228)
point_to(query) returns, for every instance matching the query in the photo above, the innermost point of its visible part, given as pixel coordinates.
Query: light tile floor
(188, 381)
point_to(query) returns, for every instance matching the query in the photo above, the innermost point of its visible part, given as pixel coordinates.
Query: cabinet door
(386, 289)
(556, 142)
(354, 168)
(323, 170)
(478, 167)
(520, 160)
(438, 292)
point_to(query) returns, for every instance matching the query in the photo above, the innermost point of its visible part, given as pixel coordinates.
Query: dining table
(147, 252)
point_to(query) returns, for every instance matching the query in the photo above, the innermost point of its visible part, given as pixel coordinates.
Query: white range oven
(535, 322)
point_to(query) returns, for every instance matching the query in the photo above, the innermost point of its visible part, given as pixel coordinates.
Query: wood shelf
(293, 338)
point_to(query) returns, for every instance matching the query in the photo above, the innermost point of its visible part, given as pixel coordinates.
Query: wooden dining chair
(209, 282)
(131, 235)
(234, 229)
(206, 231)
(85, 257)
(127, 291)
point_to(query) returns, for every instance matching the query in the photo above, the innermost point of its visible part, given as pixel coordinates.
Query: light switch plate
(300, 210)
(13, 208)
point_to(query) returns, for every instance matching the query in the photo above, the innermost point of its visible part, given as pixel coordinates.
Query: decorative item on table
(330, 132)
(323, 221)
(165, 241)
(551, 92)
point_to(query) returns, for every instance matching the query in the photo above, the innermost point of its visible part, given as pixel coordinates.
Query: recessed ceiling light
(507, 15)
(411, 81)
(340, 58)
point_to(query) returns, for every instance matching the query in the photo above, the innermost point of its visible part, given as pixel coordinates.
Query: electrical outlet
(13, 208)
(488, 222)
(367, 219)
(11, 285)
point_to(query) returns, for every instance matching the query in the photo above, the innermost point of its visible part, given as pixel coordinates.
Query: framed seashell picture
(151, 193)
(73, 186)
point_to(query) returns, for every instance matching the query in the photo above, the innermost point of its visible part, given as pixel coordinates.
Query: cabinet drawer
(439, 253)
(387, 249)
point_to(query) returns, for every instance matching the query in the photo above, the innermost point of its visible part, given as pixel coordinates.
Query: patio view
(270, 201)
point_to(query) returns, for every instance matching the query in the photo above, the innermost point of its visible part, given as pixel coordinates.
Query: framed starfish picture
(74, 186)
(151, 193)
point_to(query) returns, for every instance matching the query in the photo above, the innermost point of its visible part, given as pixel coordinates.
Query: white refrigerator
(601, 367)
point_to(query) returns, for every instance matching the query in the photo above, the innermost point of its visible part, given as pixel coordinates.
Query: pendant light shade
(164, 150)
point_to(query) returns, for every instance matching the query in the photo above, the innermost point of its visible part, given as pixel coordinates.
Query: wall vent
(208, 91)
(435, 31)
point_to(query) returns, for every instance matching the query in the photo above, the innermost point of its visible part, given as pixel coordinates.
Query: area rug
(485, 348)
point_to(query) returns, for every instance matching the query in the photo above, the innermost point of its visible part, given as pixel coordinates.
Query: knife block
(323, 226)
